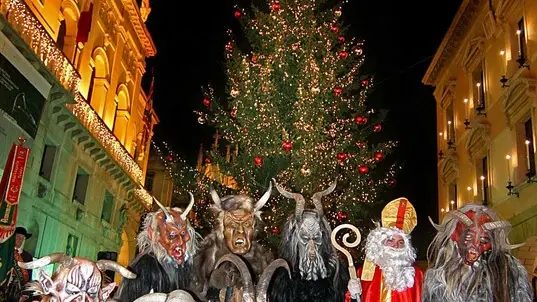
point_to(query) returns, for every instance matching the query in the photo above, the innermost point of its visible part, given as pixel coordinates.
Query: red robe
(371, 290)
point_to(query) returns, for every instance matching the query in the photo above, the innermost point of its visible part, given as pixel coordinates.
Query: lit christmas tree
(297, 110)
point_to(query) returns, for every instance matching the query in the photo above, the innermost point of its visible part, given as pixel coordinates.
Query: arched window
(122, 114)
(99, 85)
(66, 40)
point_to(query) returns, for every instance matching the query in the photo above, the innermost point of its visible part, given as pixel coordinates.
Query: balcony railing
(34, 34)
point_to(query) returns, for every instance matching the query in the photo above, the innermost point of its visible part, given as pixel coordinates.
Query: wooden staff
(346, 243)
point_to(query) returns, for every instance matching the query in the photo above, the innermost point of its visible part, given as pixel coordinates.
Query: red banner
(10, 189)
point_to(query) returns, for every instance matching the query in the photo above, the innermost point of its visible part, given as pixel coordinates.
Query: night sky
(401, 37)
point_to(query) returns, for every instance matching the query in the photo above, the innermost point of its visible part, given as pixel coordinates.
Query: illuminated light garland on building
(30, 29)
(95, 125)
(144, 196)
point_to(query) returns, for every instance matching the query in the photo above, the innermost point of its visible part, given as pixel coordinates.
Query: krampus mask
(306, 240)
(470, 260)
(237, 219)
(77, 279)
(168, 234)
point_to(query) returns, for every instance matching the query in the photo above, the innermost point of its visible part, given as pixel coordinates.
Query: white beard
(397, 269)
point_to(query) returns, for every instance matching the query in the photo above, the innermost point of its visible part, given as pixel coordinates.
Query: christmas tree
(296, 108)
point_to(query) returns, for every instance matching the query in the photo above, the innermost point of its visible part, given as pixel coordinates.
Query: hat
(21, 230)
(399, 213)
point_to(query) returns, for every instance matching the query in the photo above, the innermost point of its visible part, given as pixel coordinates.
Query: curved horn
(317, 197)
(189, 207)
(266, 276)
(216, 198)
(489, 226)
(263, 200)
(436, 226)
(300, 201)
(169, 217)
(248, 294)
(108, 265)
(154, 297)
(63, 258)
(515, 246)
(461, 216)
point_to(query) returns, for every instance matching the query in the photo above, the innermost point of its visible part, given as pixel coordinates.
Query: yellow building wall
(490, 41)
(111, 64)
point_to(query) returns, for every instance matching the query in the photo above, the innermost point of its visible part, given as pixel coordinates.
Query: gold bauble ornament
(305, 171)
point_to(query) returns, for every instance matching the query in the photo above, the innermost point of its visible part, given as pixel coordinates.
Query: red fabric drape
(84, 25)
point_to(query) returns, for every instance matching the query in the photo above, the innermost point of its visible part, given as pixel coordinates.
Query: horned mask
(77, 279)
(476, 231)
(237, 219)
(307, 236)
(168, 234)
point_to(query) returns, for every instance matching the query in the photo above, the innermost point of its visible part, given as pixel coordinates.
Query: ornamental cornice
(448, 167)
(520, 97)
(478, 139)
(140, 28)
(466, 16)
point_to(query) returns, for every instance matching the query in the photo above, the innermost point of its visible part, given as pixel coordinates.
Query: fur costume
(470, 260)
(167, 246)
(234, 231)
(316, 272)
(77, 279)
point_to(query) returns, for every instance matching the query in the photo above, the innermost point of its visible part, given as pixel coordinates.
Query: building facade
(77, 66)
(484, 77)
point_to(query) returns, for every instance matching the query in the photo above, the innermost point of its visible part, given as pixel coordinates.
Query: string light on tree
(296, 109)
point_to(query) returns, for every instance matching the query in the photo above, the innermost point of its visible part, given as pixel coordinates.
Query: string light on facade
(44, 46)
(144, 196)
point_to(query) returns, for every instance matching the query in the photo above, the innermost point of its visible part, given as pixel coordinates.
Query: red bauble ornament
(208, 160)
(371, 182)
(392, 181)
(361, 144)
(201, 201)
(343, 55)
(238, 14)
(229, 46)
(363, 169)
(275, 230)
(365, 82)
(287, 146)
(233, 112)
(342, 156)
(258, 161)
(360, 120)
(276, 6)
(338, 91)
(254, 59)
(379, 156)
(206, 102)
(245, 130)
(341, 216)
(170, 158)
(377, 128)
(341, 39)
(334, 28)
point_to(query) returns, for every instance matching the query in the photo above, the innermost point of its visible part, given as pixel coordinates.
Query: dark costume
(316, 272)
(470, 260)
(167, 247)
(234, 231)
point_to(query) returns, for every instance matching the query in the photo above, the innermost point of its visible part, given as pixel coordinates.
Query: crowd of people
(469, 259)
